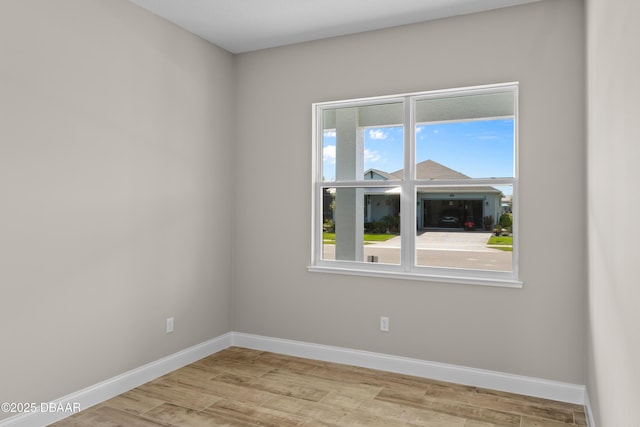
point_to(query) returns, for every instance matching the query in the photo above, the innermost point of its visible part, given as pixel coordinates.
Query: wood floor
(242, 387)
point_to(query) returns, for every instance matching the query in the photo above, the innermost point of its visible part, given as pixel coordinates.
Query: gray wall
(614, 156)
(539, 330)
(115, 149)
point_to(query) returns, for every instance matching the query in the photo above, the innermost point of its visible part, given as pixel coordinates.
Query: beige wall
(118, 145)
(539, 330)
(115, 146)
(614, 156)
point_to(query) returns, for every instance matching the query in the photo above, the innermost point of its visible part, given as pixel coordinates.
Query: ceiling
(246, 25)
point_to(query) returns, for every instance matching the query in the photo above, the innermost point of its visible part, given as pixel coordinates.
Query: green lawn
(330, 238)
(504, 243)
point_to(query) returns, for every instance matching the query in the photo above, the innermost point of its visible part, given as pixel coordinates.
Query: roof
(383, 174)
(430, 169)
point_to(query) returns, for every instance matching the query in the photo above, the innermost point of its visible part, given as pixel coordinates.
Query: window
(420, 186)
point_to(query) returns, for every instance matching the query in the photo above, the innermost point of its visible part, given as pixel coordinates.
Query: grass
(330, 238)
(503, 243)
(500, 240)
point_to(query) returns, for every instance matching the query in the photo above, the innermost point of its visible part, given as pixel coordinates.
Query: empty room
(446, 237)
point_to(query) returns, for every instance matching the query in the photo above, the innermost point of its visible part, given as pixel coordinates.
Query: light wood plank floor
(242, 387)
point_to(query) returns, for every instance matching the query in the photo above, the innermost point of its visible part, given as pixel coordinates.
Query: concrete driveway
(445, 240)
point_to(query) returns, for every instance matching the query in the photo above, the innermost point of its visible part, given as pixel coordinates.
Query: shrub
(377, 227)
(506, 220)
(488, 222)
(392, 222)
(329, 226)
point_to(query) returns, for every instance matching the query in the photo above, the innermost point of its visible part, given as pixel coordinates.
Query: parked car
(449, 218)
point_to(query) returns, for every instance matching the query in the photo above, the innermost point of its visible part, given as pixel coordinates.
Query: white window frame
(408, 268)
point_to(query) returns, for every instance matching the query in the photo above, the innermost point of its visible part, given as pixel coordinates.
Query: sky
(479, 149)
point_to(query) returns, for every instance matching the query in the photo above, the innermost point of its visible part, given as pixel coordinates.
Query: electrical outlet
(169, 325)
(384, 324)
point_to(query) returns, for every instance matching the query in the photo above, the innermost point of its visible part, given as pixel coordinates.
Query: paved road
(454, 249)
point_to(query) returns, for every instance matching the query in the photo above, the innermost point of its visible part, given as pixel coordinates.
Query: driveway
(446, 240)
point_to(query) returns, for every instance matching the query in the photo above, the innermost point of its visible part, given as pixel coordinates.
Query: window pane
(468, 136)
(361, 224)
(465, 227)
(465, 107)
(461, 150)
(362, 142)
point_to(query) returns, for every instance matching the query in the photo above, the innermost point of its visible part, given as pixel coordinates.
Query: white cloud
(371, 156)
(330, 133)
(329, 154)
(377, 134)
(489, 135)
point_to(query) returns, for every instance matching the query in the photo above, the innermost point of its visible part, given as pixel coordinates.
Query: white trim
(316, 166)
(588, 411)
(515, 189)
(92, 395)
(408, 268)
(436, 93)
(375, 271)
(554, 390)
(119, 384)
(408, 196)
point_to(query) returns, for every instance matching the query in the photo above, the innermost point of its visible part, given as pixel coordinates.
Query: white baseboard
(572, 393)
(564, 392)
(588, 411)
(119, 384)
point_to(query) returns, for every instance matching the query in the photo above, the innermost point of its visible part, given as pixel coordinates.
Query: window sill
(439, 278)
